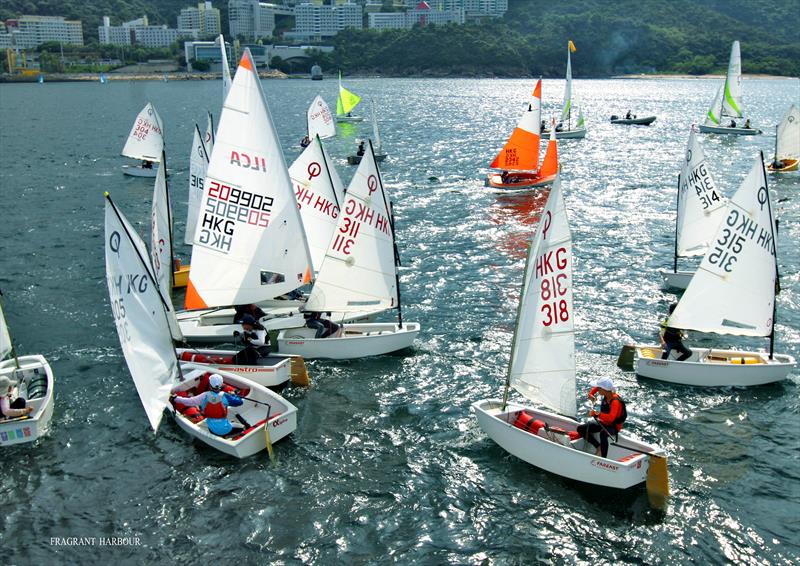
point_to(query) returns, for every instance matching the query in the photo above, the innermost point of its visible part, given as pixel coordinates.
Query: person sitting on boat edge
(214, 405)
(323, 326)
(11, 409)
(747, 124)
(252, 310)
(254, 337)
(306, 141)
(147, 164)
(361, 149)
(672, 339)
(610, 418)
(628, 115)
(732, 124)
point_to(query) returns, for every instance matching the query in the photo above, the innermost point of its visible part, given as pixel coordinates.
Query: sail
(787, 145)
(347, 100)
(521, 151)
(198, 164)
(249, 245)
(358, 273)
(550, 162)
(567, 105)
(139, 315)
(161, 233)
(732, 102)
(320, 120)
(317, 198)
(5, 337)
(701, 205)
(543, 357)
(375, 131)
(581, 123)
(226, 70)
(733, 291)
(208, 138)
(714, 114)
(146, 139)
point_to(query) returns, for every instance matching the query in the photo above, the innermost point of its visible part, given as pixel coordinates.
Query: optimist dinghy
(727, 105)
(319, 120)
(358, 274)
(733, 292)
(379, 154)
(145, 142)
(567, 129)
(787, 143)
(700, 210)
(34, 383)
(542, 368)
(273, 371)
(519, 159)
(146, 326)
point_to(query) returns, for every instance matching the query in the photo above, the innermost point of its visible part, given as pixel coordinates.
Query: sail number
(551, 271)
(129, 284)
(736, 232)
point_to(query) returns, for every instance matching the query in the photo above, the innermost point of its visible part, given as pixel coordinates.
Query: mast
(390, 208)
(775, 256)
(677, 212)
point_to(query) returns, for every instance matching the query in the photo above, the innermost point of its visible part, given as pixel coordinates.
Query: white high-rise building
(205, 19)
(252, 19)
(473, 9)
(27, 32)
(422, 13)
(139, 31)
(317, 21)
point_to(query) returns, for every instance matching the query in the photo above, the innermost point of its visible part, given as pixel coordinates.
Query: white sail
(567, 105)
(249, 245)
(732, 101)
(208, 138)
(318, 198)
(701, 205)
(375, 132)
(146, 138)
(320, 120)
(5, 337)
(714, 114)
(139, 315)
(198, 164)
(787, 145)
(733, 291)
(359, 272)
(543, 357)
(226, 70)
(161, 233)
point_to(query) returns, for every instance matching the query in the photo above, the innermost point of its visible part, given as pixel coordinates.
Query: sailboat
(346, 103)
(787, 143)
(319, 122)
(145, 142)
(358, 274)
(699, 212)
(146, 327)
(103, 78)
(733, 292)
(519, 158)
(379, 154)
(542, 369)
(572, 124)
(34, 383)
(727, 105)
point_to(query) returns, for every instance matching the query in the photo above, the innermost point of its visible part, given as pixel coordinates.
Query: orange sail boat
(517, 163)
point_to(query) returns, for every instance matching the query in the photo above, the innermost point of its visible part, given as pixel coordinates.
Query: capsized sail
(5, 337)
(320, 120)
(226, 70)
(139, 314)
(787, 145)
(249, 245)
(733, 291)
(358, 273)
(714, 114)
(701, 205)
(543, 356)
(347, 100)
(319, 195)
(732, 101)
(198, 165)
(521, 151)
(146, 138)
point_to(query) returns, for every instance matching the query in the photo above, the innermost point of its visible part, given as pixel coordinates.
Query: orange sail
(521, 152)
(550, 163)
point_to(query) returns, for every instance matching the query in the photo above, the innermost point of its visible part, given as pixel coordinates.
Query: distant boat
(145, 142)
(345, 104)
(41, 79)
(727, 106)
(319, 121)
(103, 78)
(164, 77)
(316, 73)
(378, 145)
(787, 143)
(572, 124)
(645, 121)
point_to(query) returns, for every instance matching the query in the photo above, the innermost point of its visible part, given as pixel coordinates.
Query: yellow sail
(347, 100)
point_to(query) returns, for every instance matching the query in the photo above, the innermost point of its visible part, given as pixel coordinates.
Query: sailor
(628, 115)
(214, 405)
(560, 126)
(147, 164)
(306, 141)
(254, 337)
(251, 309)
(610, 418)
(504, 177)
(672, 339)
(361, 149)
(323, 326)
(747, 123)
(733, 124)
(11, 409)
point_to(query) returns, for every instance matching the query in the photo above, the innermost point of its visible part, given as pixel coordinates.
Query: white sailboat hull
(139, 171)
(568, 134)
(356, 341)
(271, 371)
(34, 373)
(727, 130)
(714, 368)
(677, 280)
(282, 419)
(622, 469)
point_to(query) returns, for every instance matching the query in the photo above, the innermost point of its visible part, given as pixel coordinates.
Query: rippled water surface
(387, 463)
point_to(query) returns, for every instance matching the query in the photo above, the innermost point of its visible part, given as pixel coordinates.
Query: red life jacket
(213, 406)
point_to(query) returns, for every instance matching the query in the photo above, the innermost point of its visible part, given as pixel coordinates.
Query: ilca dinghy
(358, 274)
(145, 142)
(146, 327)
(572, 124)
(542, 368)
(699, 212)
(727, 106)
(734, 293)
(31, 379)
(787, 143)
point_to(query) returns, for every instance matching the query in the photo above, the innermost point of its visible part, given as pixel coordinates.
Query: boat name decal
(605, 465)
(278, 422)
(226, 207)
